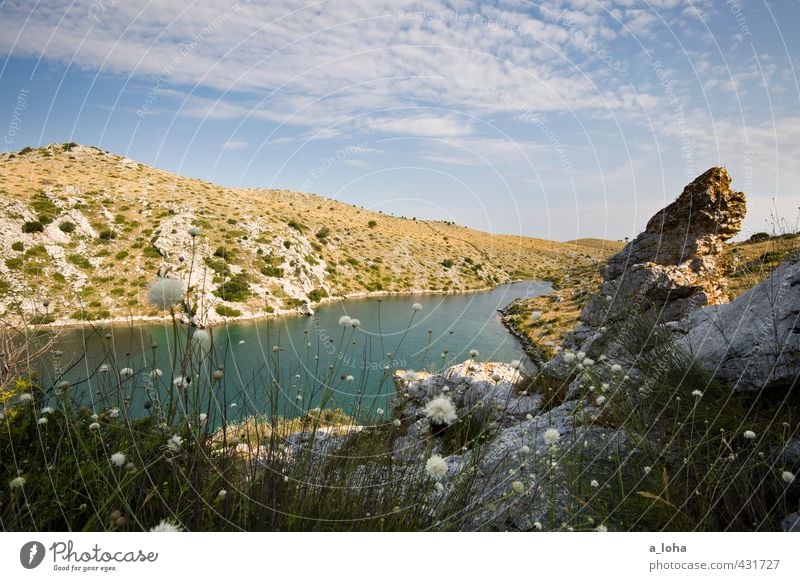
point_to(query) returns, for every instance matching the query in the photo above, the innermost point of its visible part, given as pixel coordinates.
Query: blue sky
(563, 119)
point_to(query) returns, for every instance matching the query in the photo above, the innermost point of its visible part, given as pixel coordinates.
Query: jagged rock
(472, 387)
(671, 268)
(754, 342)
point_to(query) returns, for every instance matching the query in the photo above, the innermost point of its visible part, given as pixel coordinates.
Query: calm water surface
(313, 352)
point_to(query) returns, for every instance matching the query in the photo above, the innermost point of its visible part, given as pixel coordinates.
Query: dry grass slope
(83, 233)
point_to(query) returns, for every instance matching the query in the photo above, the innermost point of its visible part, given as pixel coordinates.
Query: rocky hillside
(84, 232)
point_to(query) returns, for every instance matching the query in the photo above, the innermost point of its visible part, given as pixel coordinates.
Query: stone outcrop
(518, 456)
(752, 343)
(671, 268)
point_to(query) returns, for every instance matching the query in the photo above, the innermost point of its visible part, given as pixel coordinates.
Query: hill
(85, 232)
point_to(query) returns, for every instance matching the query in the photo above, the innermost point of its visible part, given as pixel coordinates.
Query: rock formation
(754, 342)
(671, 268)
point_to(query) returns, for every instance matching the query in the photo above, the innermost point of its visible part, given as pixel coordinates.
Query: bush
(79, 261)
(317, 295)
(447, 263)
(66, 227)
(372, 223)
(227, 311)
(18, 246)
(272, 271)
(323, 233)
(236, 289)
(13, 263)
(121, 255)
(759, 237)
(107, 234)
(31, 227)
(295, 225)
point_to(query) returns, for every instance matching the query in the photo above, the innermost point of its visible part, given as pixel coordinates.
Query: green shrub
(107, 234)
(372, 223)
(323, 233)
(31, 227)
(317, 295)
(66, 227)
(18, 246)
(79, 261)
(272, 271)
(13, 263)
(294, 224)
(236, 289)
(121, 255)
(226, 311)
(447, 263)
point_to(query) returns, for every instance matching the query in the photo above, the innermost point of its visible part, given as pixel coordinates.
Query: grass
(306, 241)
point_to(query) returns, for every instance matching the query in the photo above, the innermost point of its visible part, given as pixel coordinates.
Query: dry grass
(121, 208)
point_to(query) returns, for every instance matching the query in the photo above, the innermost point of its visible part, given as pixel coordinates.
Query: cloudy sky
(562, 119)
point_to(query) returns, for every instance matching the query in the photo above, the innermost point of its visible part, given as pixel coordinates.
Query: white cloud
(235, 145)
(422, 126)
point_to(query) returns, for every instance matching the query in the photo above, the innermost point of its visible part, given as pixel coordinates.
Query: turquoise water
(313, 353)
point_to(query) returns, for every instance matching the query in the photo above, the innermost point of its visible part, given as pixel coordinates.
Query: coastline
(137, 320)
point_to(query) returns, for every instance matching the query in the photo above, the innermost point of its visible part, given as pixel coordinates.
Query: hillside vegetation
(84, 232)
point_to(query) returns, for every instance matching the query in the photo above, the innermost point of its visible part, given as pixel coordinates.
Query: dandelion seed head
(202, 338)
(94, 426)
(474, 353)
(345, 321)
(165, 292)
(126, 372)
(17, 482)
(436, 467)
(518, 487)
(440, 410)
(25, 398)
(416, 307)
(166, 526)
(174, 443)
(551, 436)
(42, 421)
(787, 477)
(118, 459)
(569, 357)
(616, 368)
(193, 231)
(749, 435)
(594, 484)
(697, 393)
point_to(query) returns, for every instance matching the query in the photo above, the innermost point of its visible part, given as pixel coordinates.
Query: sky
(561, 120)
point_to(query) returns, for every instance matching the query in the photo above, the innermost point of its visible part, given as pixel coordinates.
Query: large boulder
(670, 269)
(752, 343)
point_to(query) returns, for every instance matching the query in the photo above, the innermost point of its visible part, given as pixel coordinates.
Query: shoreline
(137, 320)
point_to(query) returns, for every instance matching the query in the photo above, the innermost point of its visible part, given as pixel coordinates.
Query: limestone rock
(754, 342)
(670, 269)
